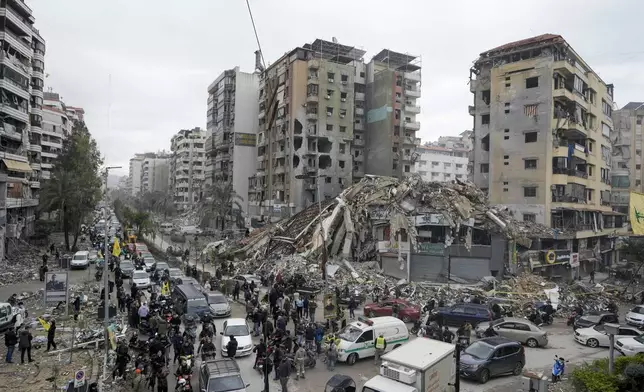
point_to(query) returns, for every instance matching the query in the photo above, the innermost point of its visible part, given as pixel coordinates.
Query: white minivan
(357, 340)
(80, 260)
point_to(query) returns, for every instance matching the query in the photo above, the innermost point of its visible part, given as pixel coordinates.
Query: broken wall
(380, 123)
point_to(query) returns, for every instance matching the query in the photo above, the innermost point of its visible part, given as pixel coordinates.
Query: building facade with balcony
(542, 147)
(135, 175)
(626, 173)
(21, 82)
(393, 87)
(187, 167)
(437, 163)
(231, 146)
(155, 173)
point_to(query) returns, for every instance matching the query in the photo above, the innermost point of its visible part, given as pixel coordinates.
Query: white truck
(421, 365)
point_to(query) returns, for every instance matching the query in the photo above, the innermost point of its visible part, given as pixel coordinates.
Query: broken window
(343, 113)
(485, 143)
(324, 160)
(344, 129)
(485, 167)
(485, 119)
(329, 111)
(530, 137)
(530, 191)
(344, 78)
(329, 127)
(329, 94)
(312, 89)
(529, 218)
(407, 169)
(356, 153)
(341, 164)
(397, 114)
(530, 163)
(589, 194)
(362, 74)
(343, 97)
(532, 82)
(327, 180)
(341, 181)
(485, 96)
(331, 76)
(507, 107)
(342, 148)
(394, 166)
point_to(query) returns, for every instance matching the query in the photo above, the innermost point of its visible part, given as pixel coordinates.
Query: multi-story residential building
(135, 174)
(542, 148)
(231, 146)
(393, 87)
(22, 80)
(187, 166)
(626, 174)
(462, 141)
(56, 126)
(155, 173)
(438, 163)
(75, 114)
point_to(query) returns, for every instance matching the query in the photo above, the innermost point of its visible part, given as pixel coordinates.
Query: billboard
(330, 306)
(56, 287)
(245, 139)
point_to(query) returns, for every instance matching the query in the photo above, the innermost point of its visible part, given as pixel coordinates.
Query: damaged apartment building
(626, 175)
(542, 149)
(317, 104)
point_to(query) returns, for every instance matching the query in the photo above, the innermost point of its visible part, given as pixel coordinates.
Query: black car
(591, 319)
(491, 357)
(458, 314)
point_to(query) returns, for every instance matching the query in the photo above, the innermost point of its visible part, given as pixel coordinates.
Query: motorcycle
(188, 359)
(264, 361)
(311, 359)
(416, 327)
(208, 355)
(183, 383)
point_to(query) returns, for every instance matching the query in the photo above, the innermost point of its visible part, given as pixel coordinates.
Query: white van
(357, 340)
(80, 260)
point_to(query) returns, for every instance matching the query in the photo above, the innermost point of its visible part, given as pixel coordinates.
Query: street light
(106, 256)
(611, 329)
(325, 256)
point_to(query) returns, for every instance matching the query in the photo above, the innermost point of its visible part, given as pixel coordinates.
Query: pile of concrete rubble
(345, 222)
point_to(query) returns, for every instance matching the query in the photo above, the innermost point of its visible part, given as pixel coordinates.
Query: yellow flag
(116, 250)
(165, 288)
(636, 211)
(44, 324)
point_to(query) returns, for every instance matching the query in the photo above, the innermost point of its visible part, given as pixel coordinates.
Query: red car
(406, 311)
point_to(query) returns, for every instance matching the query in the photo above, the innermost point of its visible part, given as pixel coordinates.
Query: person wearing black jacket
(24, 343)
(10, 340)
(231, 347)
(278, 356)
(51, 335)
(284, 371)
(260, 349)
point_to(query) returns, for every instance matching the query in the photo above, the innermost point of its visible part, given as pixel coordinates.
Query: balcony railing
(564, 199)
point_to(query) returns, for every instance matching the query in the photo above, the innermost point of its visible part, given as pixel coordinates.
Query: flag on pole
(636, 211)
(116, 250)
(45, 325)
(165, 288)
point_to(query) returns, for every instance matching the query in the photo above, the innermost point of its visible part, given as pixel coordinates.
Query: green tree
(221, 205)
(75, 185)
(158, 202)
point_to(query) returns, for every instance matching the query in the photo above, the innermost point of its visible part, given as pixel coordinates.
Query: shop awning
(17, 166)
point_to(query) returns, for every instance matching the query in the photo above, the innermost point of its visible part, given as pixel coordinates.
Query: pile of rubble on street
(294, 247)
(21, 264)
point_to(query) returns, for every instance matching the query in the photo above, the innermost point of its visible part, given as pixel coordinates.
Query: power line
(252, 20)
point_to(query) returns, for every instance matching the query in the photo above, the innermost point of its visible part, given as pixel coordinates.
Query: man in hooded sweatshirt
(24, 343)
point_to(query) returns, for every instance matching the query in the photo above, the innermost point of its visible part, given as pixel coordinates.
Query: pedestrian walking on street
(51, 335)
(299, 304)
(352, 307)
(300, 361)
(284, 373)
(24, 344)
(306, 306)
(331, 357)
(77, 302)
(381, 346)
(10, 340)
(236, 291)
(312, 306)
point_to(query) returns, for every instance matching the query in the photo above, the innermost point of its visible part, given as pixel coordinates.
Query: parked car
(518, 329)
(490, 357)
(175, 273)
(457, 314)
(80, 260)
(591, 319)
(406, 311)
(141, 278)
(630, 346)
(597, 336)
(636, 316)
(248, 278)
(238, 328)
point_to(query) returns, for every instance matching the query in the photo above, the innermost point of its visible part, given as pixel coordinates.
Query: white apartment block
(134, 177)
(436, 163)
(187, 166)
(231, 147)
(56, 126)
(155, 173)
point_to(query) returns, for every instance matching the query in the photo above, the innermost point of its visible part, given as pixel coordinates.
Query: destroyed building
(416, 230)
(542, 148)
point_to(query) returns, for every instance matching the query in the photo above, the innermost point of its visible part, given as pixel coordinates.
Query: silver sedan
(517, 329)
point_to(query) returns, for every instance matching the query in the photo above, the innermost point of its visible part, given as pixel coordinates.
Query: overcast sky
(163, 54)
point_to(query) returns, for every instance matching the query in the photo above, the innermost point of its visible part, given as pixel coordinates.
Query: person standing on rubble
(25, 345)
(44, 258)
(352, 307)
(51, 335)
(42, 272)
(592, 277)
(10, 340)
(77, 303)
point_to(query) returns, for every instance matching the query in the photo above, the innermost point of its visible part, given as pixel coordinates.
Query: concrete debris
(345, 224)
